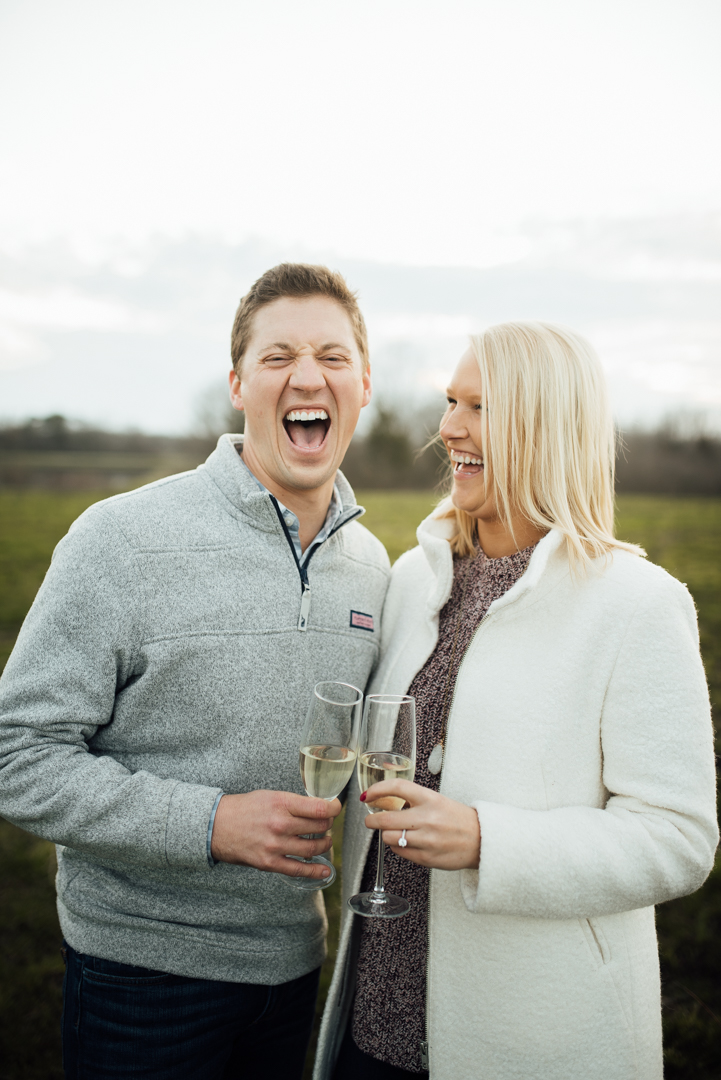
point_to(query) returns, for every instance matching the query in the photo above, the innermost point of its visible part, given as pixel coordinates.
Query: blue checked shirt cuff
(211, 860)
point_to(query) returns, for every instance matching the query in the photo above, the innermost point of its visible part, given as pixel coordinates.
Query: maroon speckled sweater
(390, 1024)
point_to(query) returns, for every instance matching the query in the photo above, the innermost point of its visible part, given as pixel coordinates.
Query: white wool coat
(580, 731)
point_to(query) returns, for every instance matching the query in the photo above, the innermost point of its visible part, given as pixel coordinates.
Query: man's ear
(367, 388)
(236, 392)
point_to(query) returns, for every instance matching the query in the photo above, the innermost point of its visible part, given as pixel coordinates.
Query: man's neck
(310, 506)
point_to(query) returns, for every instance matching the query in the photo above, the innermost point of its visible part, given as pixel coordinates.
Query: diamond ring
(403, 842)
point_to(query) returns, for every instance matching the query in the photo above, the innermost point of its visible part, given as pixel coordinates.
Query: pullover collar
(227, 472)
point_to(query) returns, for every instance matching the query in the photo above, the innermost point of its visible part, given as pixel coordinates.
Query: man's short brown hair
(295, 281)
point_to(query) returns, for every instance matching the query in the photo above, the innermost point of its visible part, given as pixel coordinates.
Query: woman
(565, 780)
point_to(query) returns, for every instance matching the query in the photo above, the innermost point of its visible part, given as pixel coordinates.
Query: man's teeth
(465, 459)
(319, 414)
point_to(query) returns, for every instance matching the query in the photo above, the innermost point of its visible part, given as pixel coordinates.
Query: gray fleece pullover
(161, 664)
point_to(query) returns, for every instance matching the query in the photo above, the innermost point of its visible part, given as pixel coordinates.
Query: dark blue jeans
(126, 1021)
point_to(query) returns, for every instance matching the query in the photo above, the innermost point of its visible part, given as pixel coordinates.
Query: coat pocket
(596, 941)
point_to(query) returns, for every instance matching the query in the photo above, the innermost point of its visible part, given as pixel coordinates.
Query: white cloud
(65, 309)
(26, 316)
(404, 327)
(643, 267)
(133, 334)
(15, 345)
(418, 132)
(669, 359)
(677, 247)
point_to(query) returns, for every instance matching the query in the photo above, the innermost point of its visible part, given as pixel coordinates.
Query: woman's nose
(453, 425)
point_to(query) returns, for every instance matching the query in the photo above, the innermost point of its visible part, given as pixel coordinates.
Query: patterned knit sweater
(390, 1026)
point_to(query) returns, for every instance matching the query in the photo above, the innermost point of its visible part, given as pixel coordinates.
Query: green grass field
(683, 535)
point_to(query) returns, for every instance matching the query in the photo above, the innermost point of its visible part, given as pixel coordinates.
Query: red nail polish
(363, 796)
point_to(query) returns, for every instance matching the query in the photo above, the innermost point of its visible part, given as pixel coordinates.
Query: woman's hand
(440, 832)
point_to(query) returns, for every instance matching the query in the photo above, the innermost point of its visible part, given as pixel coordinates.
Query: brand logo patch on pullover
(361, 621)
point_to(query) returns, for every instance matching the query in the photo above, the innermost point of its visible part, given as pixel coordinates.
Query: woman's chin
(468, 501)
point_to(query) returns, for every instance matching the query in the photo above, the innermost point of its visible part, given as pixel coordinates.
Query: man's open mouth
(307, 428)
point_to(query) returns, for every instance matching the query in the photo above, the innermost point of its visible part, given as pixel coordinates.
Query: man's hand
(440, 832)
(262, 827)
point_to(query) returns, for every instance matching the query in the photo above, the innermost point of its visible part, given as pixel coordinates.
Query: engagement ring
(403, 842)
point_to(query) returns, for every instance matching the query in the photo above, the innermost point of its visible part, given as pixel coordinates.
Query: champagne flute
(387, 752)
(328, 750)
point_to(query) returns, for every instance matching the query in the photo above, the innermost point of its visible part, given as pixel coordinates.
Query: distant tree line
(668, 462)
(56, 433)
(395, 452)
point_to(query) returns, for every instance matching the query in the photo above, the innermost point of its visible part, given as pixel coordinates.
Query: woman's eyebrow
(474, 398)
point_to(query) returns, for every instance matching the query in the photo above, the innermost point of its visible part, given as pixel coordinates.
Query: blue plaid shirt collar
(293, 525)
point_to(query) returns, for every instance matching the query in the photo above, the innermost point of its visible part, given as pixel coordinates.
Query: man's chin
(309, 475)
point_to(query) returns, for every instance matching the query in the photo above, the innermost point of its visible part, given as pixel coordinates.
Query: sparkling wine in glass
(387, 752)
(328, 755)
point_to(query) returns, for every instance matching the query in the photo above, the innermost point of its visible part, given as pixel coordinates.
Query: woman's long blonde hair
(549, 440)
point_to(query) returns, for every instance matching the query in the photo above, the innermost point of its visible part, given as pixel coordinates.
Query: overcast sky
(431, 133)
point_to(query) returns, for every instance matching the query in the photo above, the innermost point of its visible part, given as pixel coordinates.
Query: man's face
(302, 357)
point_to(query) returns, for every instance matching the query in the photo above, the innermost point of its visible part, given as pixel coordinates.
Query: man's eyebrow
(285, 347)
(280, 345)
(334, 345)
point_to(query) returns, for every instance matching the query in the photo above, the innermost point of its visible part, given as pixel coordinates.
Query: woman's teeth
(464, 459)
(319, 414)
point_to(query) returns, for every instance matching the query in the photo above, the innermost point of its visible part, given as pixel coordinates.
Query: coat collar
(434, 535)
(225, 471)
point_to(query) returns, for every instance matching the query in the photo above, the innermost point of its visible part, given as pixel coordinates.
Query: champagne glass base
(312, 884)
(372, 905)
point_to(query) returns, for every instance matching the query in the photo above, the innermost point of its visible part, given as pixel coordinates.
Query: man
(151, 713)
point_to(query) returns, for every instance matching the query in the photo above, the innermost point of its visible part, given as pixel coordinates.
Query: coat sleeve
(656, 836)
(77, 648)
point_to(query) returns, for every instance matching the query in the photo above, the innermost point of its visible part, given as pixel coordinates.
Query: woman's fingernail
(326, 873)
(363, 796)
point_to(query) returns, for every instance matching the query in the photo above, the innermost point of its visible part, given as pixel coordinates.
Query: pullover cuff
(211, 861)
(186, 830)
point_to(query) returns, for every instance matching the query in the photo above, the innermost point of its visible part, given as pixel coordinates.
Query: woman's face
(461, 432)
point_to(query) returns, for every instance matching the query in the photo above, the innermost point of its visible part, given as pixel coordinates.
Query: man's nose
(307, 374)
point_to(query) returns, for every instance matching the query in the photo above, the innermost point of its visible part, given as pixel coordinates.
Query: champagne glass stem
(379, 892)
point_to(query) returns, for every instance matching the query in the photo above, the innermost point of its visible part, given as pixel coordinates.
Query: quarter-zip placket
(303, 567)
